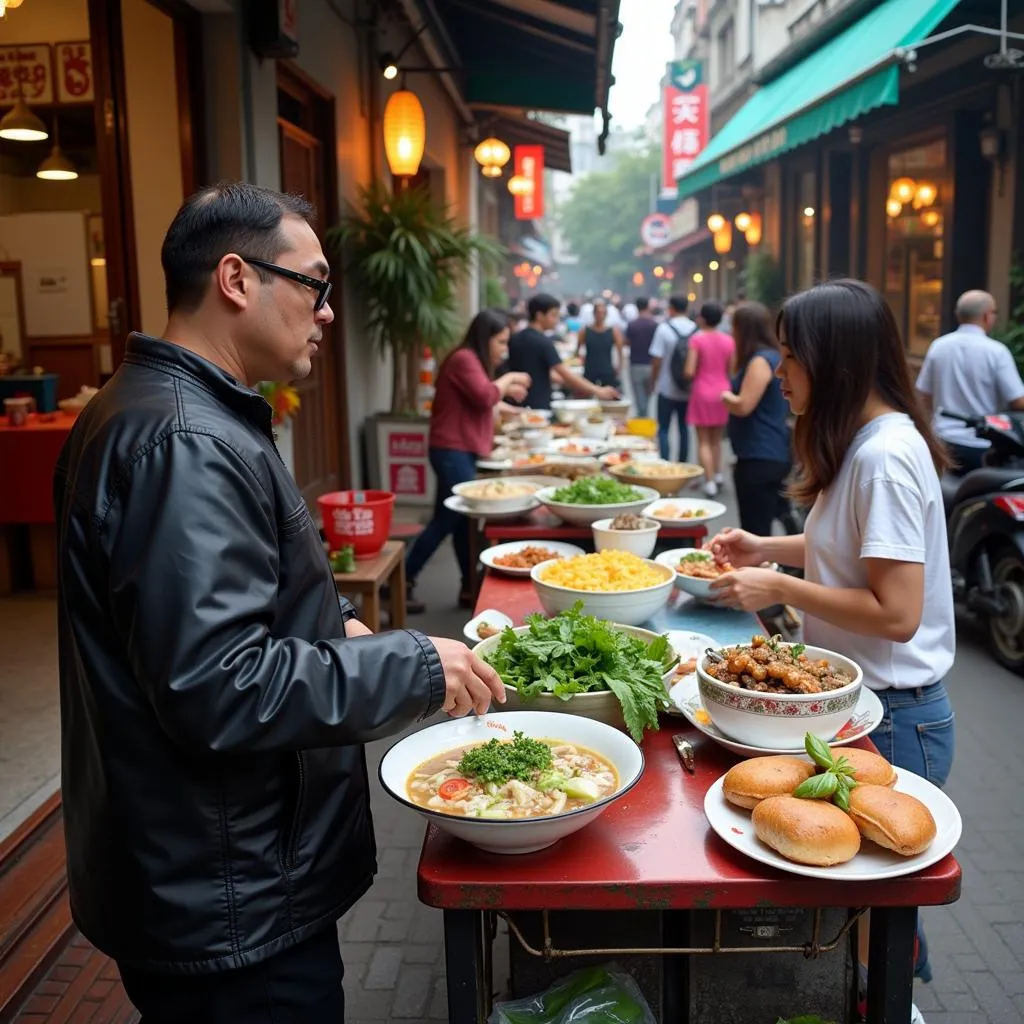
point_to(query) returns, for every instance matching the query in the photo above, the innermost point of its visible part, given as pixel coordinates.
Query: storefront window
(807, 216)
(915, 205)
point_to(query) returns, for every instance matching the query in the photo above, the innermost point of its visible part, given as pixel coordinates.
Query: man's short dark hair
(678, 304)
(573, 309)
(229, 217)
(642, 303)
(711, 313)
(541, 304)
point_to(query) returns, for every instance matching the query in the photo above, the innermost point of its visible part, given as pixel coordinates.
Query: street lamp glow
(713, 265)
(808, 211)
(698, 277)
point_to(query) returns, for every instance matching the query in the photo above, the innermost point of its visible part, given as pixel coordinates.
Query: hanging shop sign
(655, 230)
(686, 117)
(76, 81)
(529, 163)
(26, 70)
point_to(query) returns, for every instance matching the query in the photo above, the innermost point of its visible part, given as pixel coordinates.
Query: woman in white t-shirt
(876, 584)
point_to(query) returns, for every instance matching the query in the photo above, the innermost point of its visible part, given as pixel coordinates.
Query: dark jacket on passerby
(214, 781)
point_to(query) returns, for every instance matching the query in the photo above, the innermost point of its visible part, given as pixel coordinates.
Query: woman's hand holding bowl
(748, 589)
(737, 548)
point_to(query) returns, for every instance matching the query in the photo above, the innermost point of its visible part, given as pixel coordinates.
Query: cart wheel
(1006, 631)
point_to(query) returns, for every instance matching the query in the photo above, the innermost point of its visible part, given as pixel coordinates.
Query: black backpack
(677, 361)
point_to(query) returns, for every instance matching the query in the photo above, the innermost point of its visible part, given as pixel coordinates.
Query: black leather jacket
(216, 805)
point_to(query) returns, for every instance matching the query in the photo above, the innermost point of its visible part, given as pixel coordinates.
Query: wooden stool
(369, 576)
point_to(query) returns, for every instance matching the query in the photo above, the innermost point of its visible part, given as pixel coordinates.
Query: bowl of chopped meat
(696, 569)
(626, 532)
(770, 693)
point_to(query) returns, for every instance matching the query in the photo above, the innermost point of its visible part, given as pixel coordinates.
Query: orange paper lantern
(405, 133)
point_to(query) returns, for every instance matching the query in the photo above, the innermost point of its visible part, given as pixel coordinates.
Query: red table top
(28, 457)
(542, 525)
(652, 849)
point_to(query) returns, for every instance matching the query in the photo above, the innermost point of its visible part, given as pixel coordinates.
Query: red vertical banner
(686, 117)
(529, 163)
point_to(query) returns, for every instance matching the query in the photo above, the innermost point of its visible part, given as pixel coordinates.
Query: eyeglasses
(321, 287)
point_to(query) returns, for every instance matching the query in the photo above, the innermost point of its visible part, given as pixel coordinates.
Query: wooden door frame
(296, 82)
(111, 114)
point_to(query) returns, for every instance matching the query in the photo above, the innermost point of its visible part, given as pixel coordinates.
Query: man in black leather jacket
(215, 691)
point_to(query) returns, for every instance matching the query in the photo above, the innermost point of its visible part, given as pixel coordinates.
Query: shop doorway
(306, 135)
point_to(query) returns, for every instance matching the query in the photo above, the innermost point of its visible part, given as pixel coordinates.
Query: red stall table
(28, 458)
(631, 859)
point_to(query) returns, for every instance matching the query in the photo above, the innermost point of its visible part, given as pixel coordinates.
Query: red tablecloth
(28, 457)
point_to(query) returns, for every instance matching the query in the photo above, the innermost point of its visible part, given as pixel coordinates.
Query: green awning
(853, 73)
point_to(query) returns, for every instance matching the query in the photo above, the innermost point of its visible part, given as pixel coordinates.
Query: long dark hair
(753, 330)
(844, 336)
(482, 328)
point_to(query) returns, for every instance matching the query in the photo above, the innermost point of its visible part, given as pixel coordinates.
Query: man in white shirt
(672, 400)
(972, 374)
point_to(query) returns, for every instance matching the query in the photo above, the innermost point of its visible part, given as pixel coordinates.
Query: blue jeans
(667, 408)
(918, 732)
(451, 467)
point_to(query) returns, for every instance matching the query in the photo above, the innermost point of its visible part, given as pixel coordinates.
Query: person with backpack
(669, 349)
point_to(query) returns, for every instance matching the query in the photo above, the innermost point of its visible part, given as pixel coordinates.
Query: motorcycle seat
(985, 481)
(950, 486)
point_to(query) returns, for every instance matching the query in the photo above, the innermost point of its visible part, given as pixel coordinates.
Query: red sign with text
(407, 446)
(75, 80)
(686, 120)
(408, 478)
(529, 163)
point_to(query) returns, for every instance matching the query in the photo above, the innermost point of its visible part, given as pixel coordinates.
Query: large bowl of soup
(588, 767)
(496, 495)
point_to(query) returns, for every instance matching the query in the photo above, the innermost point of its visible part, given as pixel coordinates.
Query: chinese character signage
(74, 72)
(686, 117)
(529, 162)
(26, 68)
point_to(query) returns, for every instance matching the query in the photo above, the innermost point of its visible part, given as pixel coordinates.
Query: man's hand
(470, 684)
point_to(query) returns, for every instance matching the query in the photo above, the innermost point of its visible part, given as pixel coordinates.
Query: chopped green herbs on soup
(576, 653)
(596, 490)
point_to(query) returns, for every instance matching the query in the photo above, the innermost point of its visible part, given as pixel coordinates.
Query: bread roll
(897, 821)
(868, 769)
(749, 782)
(806, 831)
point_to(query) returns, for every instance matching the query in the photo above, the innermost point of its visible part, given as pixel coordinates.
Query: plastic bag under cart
(593, 995)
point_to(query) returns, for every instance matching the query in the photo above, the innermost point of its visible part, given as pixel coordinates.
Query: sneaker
(719, 479)
(916, 1017)
(711, 488)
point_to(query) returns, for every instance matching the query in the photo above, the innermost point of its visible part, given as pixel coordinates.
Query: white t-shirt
(662, 344)
(969, 373)
(886, 502)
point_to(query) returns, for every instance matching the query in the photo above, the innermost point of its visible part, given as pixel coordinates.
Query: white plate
(493, 465)
(557, 448)
(631, 442)
(709, 509)
(489, 615)
(686, 696)
(488, 555)
(457, 504)
(872, 864)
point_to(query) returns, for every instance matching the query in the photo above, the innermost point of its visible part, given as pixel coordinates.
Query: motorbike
(985, 523)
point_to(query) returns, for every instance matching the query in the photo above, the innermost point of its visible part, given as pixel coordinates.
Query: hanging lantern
(893, 207)
(638, 279)
(752, 233)
(742, 221)
(715, 223)
(492, 154)
(903, 189)
(723, 238)
(520, 185)
(405, 133)
(925, 194)
(931, 218)
(658, 271)
(9, 5)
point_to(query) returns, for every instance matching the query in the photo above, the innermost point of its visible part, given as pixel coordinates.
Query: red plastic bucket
(359, 518)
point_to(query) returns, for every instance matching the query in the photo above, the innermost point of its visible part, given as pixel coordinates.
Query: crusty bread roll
(869, 769)
(749, 782)
(806, 831)
(897, 821)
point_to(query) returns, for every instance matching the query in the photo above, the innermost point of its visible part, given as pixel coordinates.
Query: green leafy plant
(1011, 333)
(765, 283)
(406, 258)
(495, 296)
(837, 780)
(596, 490)
(576, 653)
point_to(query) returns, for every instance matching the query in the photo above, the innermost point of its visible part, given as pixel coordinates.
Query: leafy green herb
(695, 558)
(596, 490)
(576, 653)
(796, 650)
(835, 782)
(498, 761)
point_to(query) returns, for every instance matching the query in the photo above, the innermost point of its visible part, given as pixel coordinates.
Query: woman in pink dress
(708, 364)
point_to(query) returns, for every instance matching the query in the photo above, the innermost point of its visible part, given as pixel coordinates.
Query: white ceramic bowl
(495, 504)
(776, 720)
(568, 410)
(640, 542)
(527, 834)
(599, 431)
(602, 706)
(700, 510)
(569, 448)
(689, 584)
(630, 607)
(617, 407)
(534, 418)
(586, 515)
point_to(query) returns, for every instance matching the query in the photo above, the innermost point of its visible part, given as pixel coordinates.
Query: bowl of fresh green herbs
(503, 747)
(581, 665)
(591, 498)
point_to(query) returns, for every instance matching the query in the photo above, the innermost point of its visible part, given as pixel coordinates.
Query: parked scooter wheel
(1007, 630)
